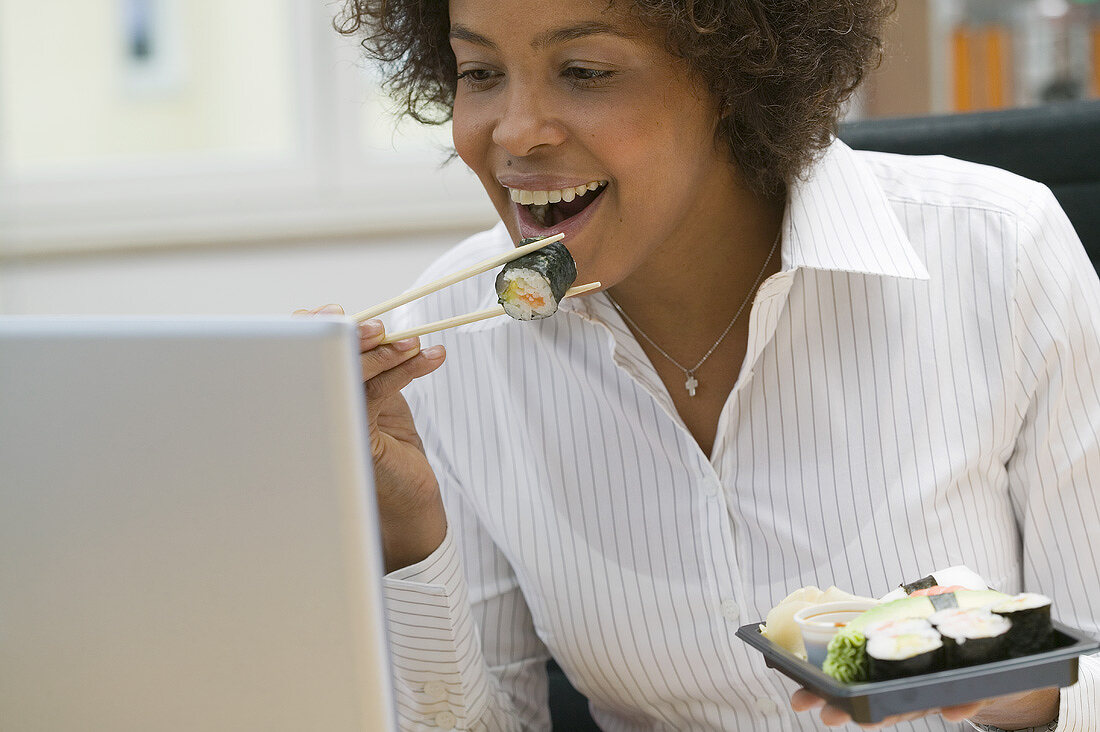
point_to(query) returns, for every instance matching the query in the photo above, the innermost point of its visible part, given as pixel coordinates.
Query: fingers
(377, 359)
(963, 711)
(833, 717)
(389, 368)
(803, 700)
(330, 309)
(401, 375)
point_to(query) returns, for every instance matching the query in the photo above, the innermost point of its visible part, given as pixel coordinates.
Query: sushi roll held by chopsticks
(531, 287)
(557, 270)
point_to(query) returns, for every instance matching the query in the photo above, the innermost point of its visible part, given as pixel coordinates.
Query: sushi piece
(844, 659)
(898, 625)
(904, 654)
(952, 578)
(971, 637)
(531, 287)
(1031, 630)
(942, 616)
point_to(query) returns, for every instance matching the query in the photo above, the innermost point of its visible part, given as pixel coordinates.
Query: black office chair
(1057, 145)
(568, 707)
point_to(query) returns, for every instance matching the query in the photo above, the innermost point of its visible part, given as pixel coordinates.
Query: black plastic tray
(872, 702)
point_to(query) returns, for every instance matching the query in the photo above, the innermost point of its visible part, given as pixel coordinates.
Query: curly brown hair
(781, 69)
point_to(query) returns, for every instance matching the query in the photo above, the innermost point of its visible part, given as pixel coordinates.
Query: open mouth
(551, 208)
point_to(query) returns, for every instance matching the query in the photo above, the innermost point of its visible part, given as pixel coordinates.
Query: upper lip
(544, 182)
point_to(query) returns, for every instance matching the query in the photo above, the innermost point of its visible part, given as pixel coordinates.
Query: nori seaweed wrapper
(887, 670)
(922, 584)
(1031, 630)
(884, 669)
(553, 261)
(959, 653)
(944, 601)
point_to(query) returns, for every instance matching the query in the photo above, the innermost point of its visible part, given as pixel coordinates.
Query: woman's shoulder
(942, 181)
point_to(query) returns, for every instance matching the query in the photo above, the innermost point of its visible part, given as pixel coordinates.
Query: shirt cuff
(990, 728)
(434, 569)
(439, 674)
(1078, 705)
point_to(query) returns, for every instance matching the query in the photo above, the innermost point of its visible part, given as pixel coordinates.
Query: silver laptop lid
(187, 530)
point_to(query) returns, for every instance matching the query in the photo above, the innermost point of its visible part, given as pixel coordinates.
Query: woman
(807, 366)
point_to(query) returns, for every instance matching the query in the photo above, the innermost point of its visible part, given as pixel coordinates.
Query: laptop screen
(187, 529)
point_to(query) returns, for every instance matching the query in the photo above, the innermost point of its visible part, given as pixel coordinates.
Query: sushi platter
(943, 640)
(870, 702)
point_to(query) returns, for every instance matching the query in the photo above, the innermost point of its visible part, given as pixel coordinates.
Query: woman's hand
(410, 508)
(1016, 711)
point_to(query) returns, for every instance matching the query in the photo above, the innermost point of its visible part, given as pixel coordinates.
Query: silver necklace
(691, 383)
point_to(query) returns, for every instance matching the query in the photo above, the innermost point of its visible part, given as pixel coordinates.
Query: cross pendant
(691, 383)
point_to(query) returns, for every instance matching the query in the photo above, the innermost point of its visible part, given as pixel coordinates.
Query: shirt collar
(838, 218)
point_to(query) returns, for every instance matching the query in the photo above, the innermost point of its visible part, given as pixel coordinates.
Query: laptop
(188, 538)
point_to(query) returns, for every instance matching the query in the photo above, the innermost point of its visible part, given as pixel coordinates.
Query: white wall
(237, 280)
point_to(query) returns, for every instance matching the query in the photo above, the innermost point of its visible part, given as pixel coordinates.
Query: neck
(686, 294)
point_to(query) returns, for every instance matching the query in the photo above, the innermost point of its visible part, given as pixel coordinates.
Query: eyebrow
(549, 38)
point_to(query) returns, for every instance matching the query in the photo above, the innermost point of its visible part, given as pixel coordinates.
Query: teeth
(541, 198)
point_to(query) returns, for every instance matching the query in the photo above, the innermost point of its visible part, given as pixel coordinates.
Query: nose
(526, 123)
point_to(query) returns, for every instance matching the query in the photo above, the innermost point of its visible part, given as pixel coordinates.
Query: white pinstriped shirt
(917, 393)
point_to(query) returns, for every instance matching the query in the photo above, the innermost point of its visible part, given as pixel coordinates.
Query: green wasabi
(846, 660)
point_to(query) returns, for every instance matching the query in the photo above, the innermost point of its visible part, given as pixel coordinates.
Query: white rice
(520, 281)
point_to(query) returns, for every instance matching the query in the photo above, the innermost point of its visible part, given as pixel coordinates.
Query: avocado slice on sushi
(925, 605)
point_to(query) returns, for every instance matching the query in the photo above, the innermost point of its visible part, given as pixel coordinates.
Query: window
(141, 122)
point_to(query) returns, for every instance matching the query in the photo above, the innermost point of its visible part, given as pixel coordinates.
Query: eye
(478, 78)
(584, 76)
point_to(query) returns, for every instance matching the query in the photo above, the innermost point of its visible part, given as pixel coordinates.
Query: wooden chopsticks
(472, 317)
(448, 280)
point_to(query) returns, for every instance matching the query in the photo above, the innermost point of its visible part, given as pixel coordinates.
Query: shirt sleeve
(1054, 469)
(463, 647)
(464, 650)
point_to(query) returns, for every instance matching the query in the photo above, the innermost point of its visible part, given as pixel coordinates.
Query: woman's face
(577, 120)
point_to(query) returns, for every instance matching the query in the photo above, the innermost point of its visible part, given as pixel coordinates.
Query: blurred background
(235, 156)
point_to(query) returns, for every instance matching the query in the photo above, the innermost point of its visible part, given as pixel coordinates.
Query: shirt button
(766, 705)
(435, 690)
(711, 487)
(445, 720)
(730, 611)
